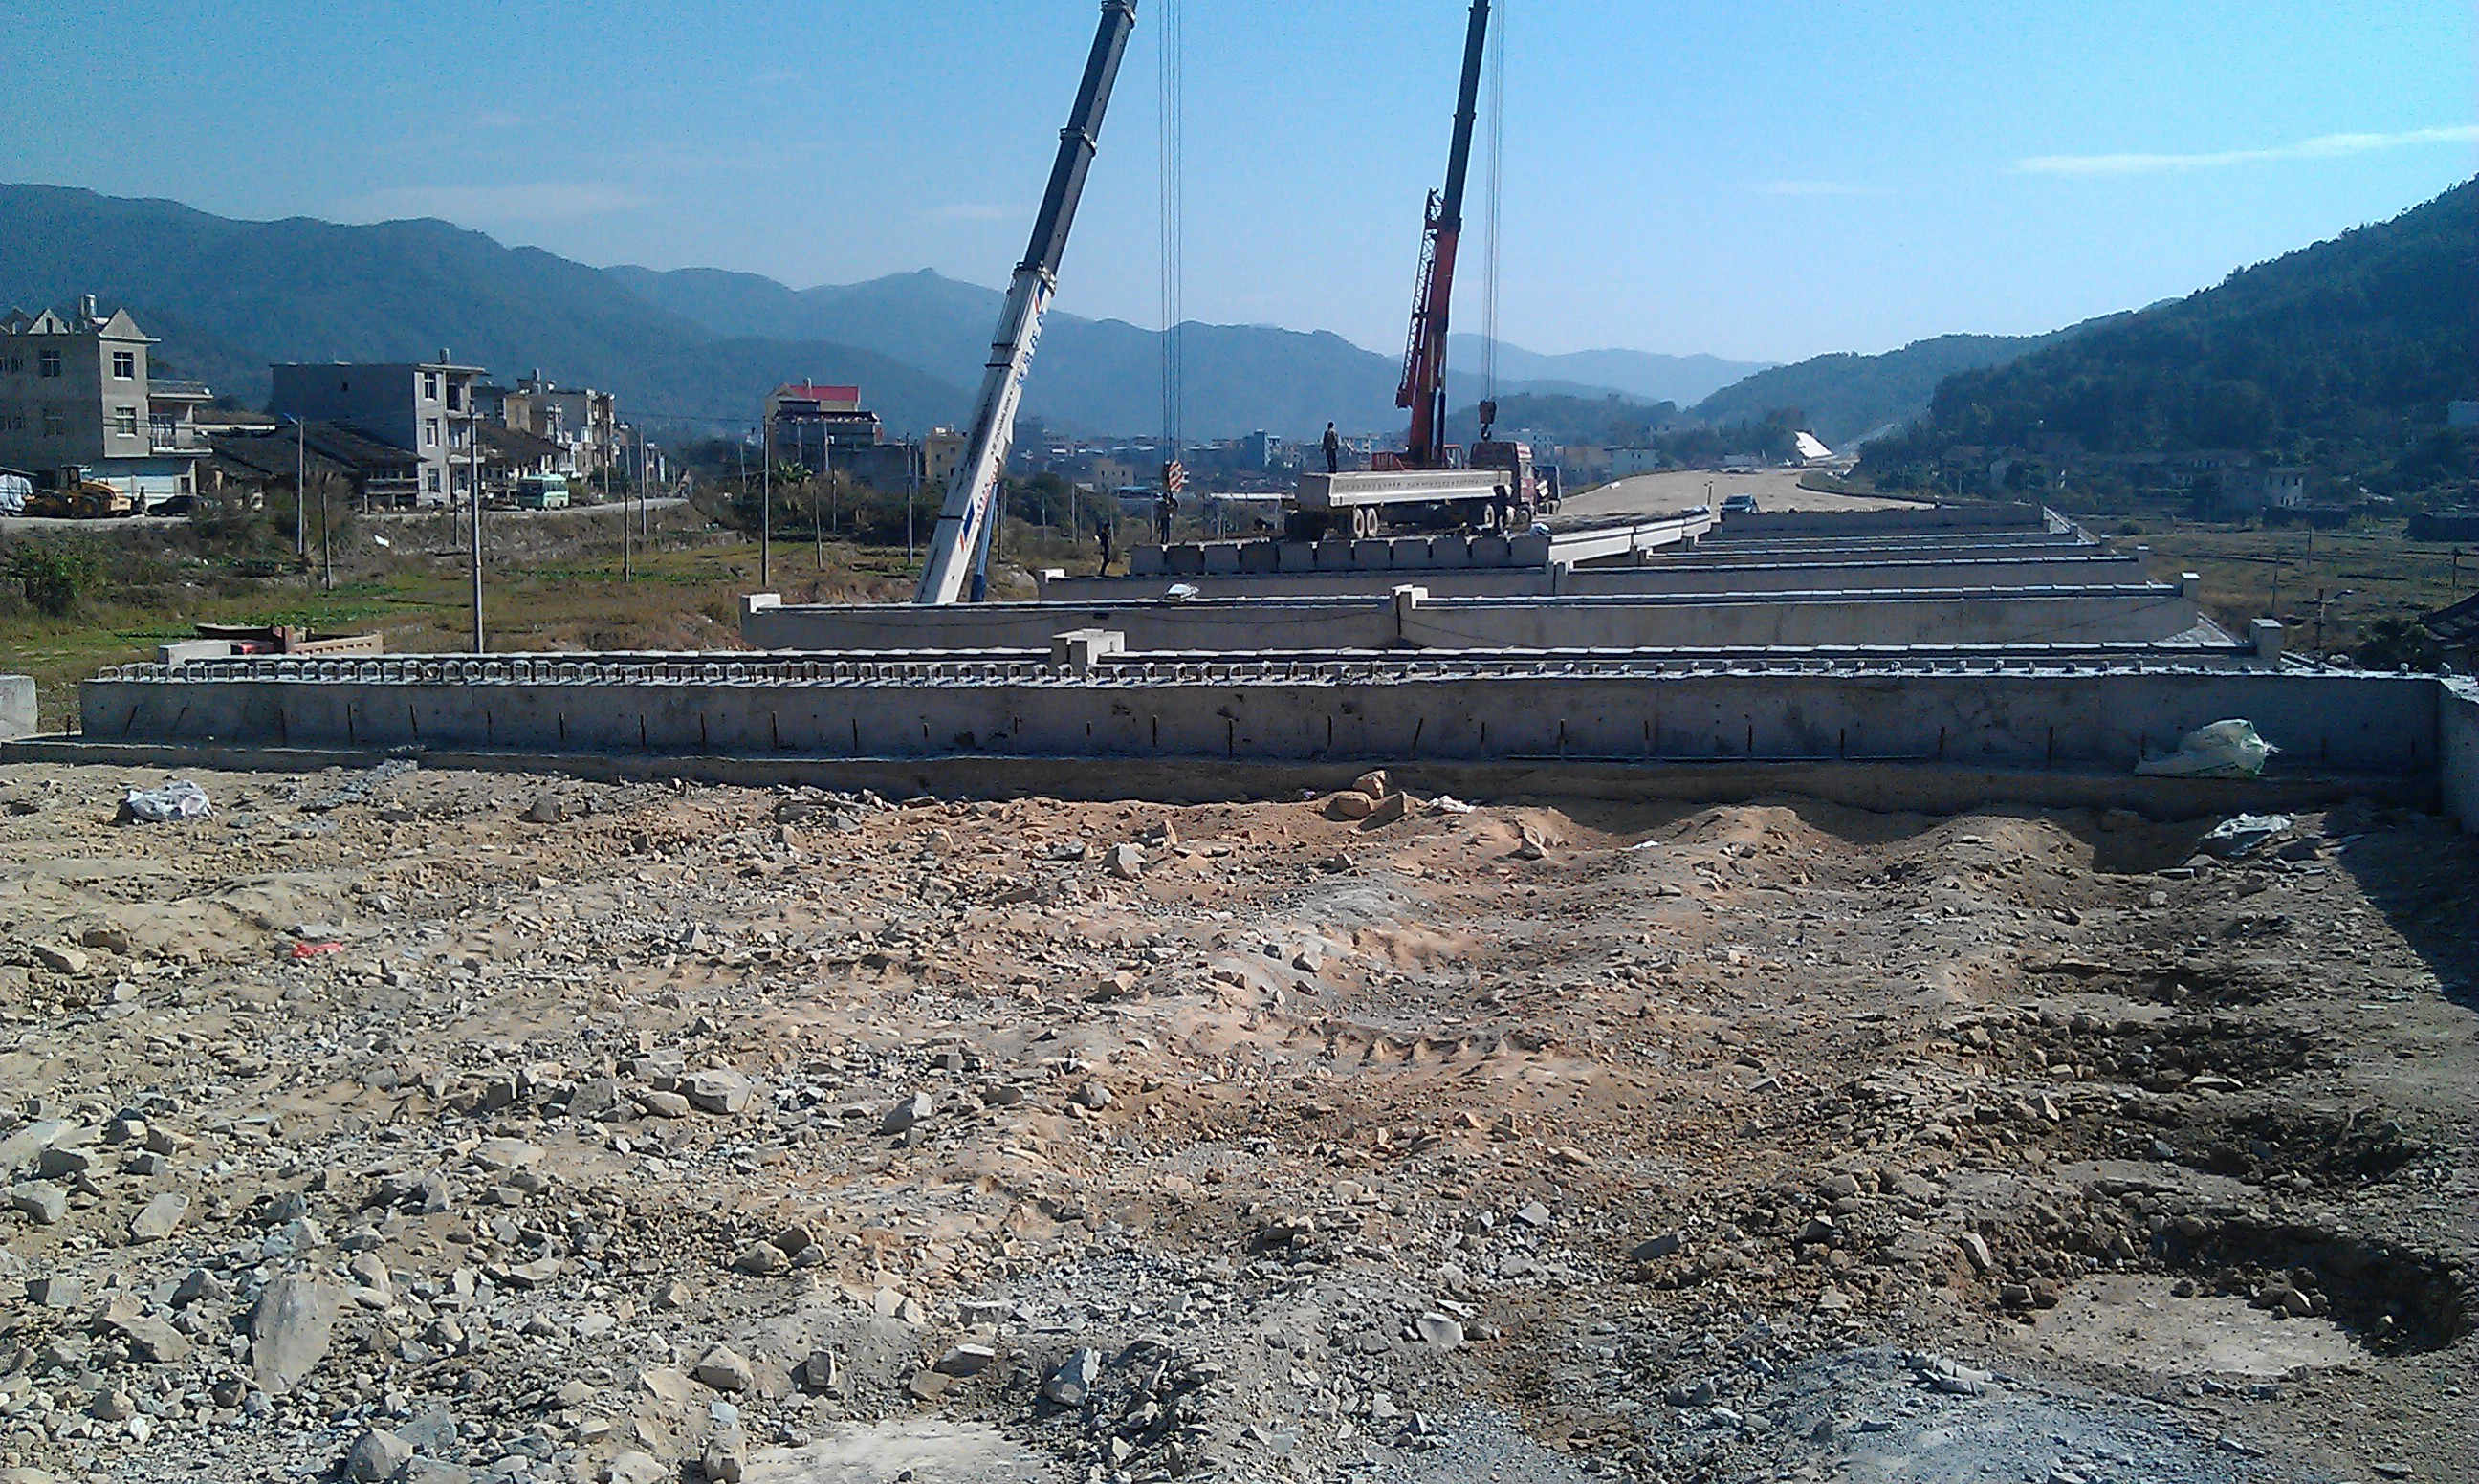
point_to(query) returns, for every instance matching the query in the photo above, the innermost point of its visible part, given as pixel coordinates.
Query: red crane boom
(1424, 360)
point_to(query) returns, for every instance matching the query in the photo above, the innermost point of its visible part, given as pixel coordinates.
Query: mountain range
(696, 349)
(692, 349)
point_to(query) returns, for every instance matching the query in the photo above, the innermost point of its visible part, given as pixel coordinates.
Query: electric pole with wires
(1172, 90)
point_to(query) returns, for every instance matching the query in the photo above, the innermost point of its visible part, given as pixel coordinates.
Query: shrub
(53, 575)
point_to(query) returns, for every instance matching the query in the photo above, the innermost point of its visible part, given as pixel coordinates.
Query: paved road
(1668, 494)
(29, 523)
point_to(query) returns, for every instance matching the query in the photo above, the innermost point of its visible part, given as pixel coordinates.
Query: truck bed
(1397, 487)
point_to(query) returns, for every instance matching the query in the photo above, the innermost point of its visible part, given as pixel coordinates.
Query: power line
(1172, 85)
(1496, 177)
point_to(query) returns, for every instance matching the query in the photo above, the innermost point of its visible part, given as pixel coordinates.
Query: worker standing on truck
(1333, 450)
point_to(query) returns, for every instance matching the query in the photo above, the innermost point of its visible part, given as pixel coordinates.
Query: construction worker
(1333, 450)
(1102, 525)
(1164, 509)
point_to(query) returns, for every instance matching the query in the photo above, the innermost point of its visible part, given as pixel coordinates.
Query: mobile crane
(1429, 484)
(959, 548)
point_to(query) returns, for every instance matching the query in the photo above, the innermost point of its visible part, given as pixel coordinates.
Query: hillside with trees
(2341, 357)
(1847, 397)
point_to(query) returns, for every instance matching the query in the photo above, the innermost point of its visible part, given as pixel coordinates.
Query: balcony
(174, 438)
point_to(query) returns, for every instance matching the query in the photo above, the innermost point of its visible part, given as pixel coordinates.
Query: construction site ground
(463, 1127)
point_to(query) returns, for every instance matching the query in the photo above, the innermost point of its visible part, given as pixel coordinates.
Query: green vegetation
(2341, 357)
(53, 574)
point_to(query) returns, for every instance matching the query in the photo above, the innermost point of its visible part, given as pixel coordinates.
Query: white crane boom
(959, 548)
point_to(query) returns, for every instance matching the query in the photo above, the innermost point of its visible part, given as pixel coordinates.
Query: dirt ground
(456, 1126)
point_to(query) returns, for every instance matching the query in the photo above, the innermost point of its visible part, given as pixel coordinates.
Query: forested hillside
(2341, 356)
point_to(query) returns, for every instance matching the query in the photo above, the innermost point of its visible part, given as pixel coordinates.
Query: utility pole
(765, 500)
(473, 500)
(326, 541)
(300, 494)
(912, 492)
(628, 515)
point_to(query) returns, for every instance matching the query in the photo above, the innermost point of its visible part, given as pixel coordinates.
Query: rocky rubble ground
(450, 1127)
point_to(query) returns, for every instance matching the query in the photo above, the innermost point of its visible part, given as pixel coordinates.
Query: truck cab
(1530, 493)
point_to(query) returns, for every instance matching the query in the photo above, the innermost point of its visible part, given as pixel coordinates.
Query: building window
(56, 422)
(124, 365)
(430, 433)
(48, 364)
(455, 397)
(434, 481)
(430, 386)
(124, 421)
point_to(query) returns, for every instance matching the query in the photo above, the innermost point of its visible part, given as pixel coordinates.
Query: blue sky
(1757, 179)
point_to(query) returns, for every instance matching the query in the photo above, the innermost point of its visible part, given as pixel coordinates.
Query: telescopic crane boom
(1425, 362)
(959, 548)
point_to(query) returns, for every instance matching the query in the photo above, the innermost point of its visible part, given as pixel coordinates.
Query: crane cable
(1173, 86)
(1496, 177)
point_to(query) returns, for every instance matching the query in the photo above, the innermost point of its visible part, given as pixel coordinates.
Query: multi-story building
(585, 423)
(77, 402)
(809, 423)
(943, 451)
(424, 407)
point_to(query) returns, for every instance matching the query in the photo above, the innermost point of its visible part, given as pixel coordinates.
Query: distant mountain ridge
(1684, 379)
(1847, 397)
(227, 298)
(697, 347)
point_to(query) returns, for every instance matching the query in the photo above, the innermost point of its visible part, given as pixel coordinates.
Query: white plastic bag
(2229, 749)
(177, 800)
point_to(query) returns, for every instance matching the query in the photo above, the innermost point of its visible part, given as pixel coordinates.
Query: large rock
(290, 1331)
(160, 1219)
(19, 1149)
(724, 1369)
(1074, 1379)
(636, 1467)
(721, 1090)
(40, 1202)
(378, 1456)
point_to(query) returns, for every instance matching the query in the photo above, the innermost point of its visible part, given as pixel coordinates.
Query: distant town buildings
(423, 407)
(78, 404)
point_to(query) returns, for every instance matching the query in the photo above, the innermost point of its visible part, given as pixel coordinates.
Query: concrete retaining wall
(2149, 612)
(2072, 568)
(16, 706)
(2458, 766)
(1376, 708)
(1975, 546)
(1972, 517)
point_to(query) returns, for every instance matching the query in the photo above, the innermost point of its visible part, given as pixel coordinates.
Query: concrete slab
(2458, 764)
(16, 706)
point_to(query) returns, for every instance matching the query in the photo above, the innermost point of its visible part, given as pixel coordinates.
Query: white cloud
(2328, 146)
(1812, 188)
(542, 201)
